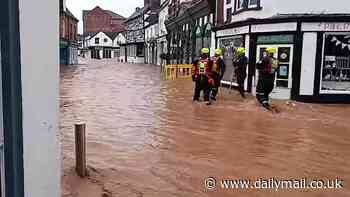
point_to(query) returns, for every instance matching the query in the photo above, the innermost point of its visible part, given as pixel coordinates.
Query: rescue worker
(267, 67)
(217, 72)
(240, 67)
(200, 75)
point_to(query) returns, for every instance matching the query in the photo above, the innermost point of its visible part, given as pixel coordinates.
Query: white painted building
(120, 41)
(102, 45)
(151, 35)
(162, 32)
(30, 99)
(312, 38)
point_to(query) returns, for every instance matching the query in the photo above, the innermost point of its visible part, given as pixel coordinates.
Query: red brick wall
(68, 28)
(98, 20)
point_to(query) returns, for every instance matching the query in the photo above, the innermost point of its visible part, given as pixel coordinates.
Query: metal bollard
(80, 149)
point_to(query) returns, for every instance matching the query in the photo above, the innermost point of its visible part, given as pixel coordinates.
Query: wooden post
(80, 149)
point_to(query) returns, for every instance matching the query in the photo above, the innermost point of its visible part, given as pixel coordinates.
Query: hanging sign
(326, 27)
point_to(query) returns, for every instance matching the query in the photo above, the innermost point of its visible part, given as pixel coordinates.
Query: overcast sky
(122, 7)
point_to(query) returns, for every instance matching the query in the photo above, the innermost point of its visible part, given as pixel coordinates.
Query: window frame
(246, 6)
(97, 40)
(322, 91)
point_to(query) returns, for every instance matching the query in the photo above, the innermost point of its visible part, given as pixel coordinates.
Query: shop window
(336, 63)
(207, 36)
(228, 46)
(139, 51)
(199, 45)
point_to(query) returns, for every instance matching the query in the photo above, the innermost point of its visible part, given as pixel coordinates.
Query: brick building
(68, 36)
(100, 20)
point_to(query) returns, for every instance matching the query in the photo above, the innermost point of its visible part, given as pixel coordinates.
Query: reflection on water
(146, 137)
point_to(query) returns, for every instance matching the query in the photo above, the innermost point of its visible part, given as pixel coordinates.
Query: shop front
(313, 56)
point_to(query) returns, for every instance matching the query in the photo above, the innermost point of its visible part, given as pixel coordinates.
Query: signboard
(276, 39)
(233, 31)
(335, 27)
(274, 27)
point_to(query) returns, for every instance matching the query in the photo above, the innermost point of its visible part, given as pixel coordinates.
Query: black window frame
(97, 40)
(228, 15)
(12, 98)
(246, 6)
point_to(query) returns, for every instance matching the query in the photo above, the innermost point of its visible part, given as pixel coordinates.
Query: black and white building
(135, 37)
(312, 38)
(101, 45)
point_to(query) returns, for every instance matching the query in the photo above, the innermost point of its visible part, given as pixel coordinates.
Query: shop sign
(233, 31)
(274, 27)
(335, 27)
(276, 39)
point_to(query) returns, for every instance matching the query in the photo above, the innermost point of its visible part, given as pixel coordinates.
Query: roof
(136, 14)
(69, 13)
(111, 13)
(111, 35)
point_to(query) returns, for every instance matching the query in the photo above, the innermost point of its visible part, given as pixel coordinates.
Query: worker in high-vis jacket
(240, 63)
(267, 67)
(201, 75)
(217, 71)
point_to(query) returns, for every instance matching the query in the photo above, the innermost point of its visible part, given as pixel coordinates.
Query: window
(335, 74)
(246, 4)
(228, 15)
(97, 40)
(253, 3)
(228, 46)
(140, 51)
(105, 40)
(228, 1)
(240, 4)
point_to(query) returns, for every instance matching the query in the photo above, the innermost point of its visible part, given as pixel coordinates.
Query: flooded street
(145, 137)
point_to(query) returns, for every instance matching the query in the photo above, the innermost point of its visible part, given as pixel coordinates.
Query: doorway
(283, 76)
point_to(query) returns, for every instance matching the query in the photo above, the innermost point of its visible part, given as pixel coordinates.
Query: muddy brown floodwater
(145, 137)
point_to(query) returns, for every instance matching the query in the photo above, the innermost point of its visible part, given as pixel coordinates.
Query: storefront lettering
(326, 27)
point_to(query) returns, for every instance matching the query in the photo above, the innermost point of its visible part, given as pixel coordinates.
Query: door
(283, 77)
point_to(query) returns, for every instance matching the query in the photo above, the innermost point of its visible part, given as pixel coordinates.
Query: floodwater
(145, 137)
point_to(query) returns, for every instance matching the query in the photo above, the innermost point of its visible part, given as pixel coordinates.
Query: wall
(99, 20)
(273, 7)
(40, 97)
(102, 36)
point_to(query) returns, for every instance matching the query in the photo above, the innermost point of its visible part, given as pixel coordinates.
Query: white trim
(274, 27)
(233, 31)
(308, 64)
(328, 27)
(322, 64)
(229, 83)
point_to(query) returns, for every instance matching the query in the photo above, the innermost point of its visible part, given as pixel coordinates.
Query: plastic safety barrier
(177, 71)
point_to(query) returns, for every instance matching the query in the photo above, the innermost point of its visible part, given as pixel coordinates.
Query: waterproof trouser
(215, 88)
(200, 85)
(264, 88)
(241, 75)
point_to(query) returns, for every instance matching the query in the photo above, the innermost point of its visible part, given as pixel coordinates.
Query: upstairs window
(253, 3)
(228, 15)
(97, 40)
(241, 5)
(105, 40)
(228, 1)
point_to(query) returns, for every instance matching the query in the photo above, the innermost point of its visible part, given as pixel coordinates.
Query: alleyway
(145, 137)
